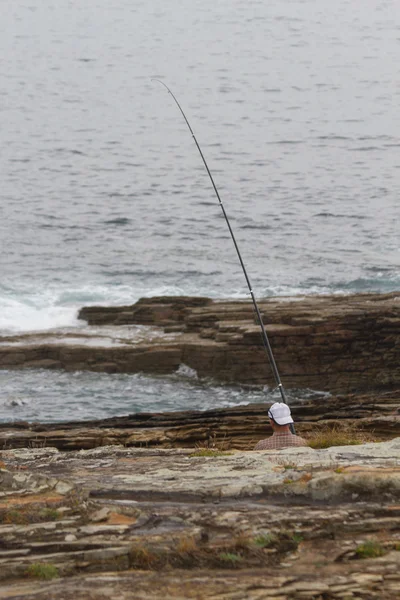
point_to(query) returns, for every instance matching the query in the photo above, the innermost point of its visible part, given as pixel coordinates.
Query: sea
(104, 197)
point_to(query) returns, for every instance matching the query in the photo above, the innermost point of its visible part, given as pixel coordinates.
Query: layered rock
(238, 427)
(332, 343)
(142, 523)
(167, 505)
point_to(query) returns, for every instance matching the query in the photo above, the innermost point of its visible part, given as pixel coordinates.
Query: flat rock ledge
(131, 523)
(375, 415)
(332, 343)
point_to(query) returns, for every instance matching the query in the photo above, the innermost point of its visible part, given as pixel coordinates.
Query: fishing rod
(264, 336)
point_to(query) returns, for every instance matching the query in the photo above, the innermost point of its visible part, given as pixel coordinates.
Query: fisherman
(280, 419)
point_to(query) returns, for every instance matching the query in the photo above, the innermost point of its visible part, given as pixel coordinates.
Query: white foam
(14, 401)
(41, 307)
(186, 371)
(20, 315)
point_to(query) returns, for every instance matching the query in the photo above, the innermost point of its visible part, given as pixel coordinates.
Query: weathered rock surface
(135, 510)
(365, 471)
(333, 343)
(141, 523)
(239, 427)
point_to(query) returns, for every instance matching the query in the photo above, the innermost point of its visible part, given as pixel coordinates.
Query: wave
(382, 282)
(118, 221)
(260, 226)
(40, 307)
(327, 214)
(284, 142)
(14, 401)
(35, 312)
(334, 137)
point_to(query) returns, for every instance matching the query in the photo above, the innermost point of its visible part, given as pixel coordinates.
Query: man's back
(278, 441)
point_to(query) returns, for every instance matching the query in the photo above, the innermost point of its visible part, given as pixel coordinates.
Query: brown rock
(332, 343)
(174, 525)
(238, 427)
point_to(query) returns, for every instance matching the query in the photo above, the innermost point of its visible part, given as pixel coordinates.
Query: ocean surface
(104, 197)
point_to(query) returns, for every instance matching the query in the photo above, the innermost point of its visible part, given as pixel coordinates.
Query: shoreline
(239, 428)
(337, 344)
(166, 505)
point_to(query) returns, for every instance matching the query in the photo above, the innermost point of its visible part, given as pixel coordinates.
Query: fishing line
(264, 336)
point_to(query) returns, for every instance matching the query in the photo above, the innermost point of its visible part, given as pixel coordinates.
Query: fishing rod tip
(162, 83)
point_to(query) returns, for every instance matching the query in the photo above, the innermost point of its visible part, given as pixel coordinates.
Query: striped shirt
(277, 441)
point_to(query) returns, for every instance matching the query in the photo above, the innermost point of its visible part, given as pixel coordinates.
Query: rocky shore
(333, 343)
(178, 505)
(166, 524)
(239, 428)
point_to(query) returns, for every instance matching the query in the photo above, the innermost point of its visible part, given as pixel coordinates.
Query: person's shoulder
(262, 445)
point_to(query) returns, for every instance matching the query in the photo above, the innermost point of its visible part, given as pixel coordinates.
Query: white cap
(280, 413)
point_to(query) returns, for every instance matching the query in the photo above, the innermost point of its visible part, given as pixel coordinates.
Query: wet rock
(332, 343)
(229, 428)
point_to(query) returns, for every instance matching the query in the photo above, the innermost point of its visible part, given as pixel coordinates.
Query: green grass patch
(289, 466)
(26, 515)
(50, 514)
(14, 517)
(230, 558)
(265, 540)
(370, 549)
(297, 538)
(209, 452)
(42, 571)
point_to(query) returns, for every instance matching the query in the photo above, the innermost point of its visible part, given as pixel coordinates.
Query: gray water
(104, 197)
(49, 396)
